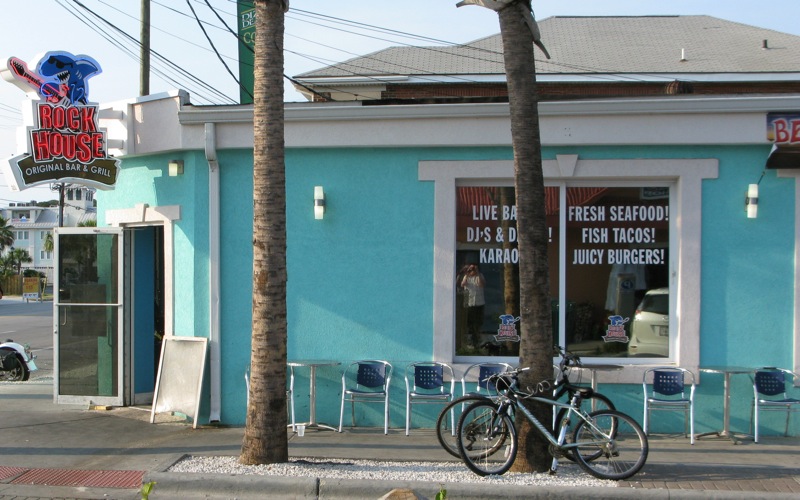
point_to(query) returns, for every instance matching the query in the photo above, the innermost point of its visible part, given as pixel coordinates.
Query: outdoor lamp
(751, 201)
(175, 168)
(319, 202)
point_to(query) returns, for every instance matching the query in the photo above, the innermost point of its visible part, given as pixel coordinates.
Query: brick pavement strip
(771, 485)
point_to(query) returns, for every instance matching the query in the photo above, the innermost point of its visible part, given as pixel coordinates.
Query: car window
(655, 303)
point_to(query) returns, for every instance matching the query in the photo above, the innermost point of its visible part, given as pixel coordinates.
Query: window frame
(685, 178)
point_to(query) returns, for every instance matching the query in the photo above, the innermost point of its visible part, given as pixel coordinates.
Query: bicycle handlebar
(568, 360)
(509, 382)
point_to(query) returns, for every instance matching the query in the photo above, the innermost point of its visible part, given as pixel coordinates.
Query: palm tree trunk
(265, 438)
(536, 344)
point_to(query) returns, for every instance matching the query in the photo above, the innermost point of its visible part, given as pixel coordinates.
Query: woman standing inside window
(473, 283)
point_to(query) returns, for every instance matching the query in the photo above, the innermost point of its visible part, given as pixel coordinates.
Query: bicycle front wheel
(487, 440)
(605, 455)
(445, 427)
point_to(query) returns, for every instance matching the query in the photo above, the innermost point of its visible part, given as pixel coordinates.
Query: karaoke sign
(65, 144)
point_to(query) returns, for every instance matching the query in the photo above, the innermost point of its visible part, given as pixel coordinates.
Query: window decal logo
(507, 331)
(616, 329)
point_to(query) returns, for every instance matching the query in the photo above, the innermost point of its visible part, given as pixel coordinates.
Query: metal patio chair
(667, 391)
(428, 382)
(366, 381)
(770, 395)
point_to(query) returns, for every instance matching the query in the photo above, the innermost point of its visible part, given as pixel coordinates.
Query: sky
(317, 33)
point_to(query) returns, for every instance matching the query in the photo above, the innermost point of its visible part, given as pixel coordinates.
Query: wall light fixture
(751, 201)
(319, 202)
(175, 168)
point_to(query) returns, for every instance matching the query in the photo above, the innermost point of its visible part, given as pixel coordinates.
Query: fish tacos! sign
(65, 144)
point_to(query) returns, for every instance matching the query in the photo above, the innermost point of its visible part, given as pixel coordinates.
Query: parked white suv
(650, 329)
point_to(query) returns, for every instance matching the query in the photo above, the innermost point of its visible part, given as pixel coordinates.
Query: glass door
(88, 330)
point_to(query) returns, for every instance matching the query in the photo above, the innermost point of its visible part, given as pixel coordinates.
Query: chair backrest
(431, 376)
(668, 381)
(428, 377)
(485, 371)
(372, 374)
(770, 382)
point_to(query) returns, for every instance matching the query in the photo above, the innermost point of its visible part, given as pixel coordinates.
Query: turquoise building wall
(360, 281)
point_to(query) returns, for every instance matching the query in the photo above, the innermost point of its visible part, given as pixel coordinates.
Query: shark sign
(65, 144)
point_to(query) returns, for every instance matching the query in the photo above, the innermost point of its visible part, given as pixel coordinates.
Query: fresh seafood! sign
(65, 144)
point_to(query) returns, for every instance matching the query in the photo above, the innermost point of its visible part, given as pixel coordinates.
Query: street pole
(144, 71)
(60, 188)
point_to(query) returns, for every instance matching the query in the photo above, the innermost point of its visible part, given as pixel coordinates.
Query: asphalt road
(29, 323)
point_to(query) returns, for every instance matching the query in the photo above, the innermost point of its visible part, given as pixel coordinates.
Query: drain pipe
(215, 373)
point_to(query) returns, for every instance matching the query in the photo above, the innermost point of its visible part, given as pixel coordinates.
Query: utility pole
(59, 188)
(144, 71)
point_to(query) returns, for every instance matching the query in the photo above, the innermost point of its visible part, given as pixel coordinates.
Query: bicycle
(607, 444)
(446, 435)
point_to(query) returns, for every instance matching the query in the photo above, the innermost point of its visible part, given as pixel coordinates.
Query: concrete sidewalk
(68, 451)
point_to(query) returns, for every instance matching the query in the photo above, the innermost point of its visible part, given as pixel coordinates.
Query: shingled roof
(585, 48)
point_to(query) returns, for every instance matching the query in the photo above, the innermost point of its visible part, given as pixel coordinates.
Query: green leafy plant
(147, 488)
(442, 495)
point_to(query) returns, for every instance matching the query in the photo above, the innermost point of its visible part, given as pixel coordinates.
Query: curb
(188, 485)
(244, 487)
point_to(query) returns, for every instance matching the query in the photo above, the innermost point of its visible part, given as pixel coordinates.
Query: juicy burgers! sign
(65, 144)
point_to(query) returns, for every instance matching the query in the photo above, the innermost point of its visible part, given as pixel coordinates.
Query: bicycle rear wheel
(596, 401)
(445, 429)
(614, 457)
(487, 440)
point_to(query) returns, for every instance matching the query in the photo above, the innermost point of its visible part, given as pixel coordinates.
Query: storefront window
(487, 265)
(614, 260)
(616, 265)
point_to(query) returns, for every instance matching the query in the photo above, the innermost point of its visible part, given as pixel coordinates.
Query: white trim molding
(684, 175)
(796, 312)
(144, 215)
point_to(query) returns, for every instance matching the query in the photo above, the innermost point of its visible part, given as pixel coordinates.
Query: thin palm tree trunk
(265, 439)
(535, 322)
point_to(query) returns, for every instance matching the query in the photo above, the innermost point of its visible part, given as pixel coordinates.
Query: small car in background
(650, 328)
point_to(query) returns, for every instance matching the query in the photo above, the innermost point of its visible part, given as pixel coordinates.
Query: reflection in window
(617, 242)
(87, 273)
(487, 270)
(615, 261)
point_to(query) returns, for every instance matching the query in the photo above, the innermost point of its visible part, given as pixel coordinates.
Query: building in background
(33, 223)
(591, 57)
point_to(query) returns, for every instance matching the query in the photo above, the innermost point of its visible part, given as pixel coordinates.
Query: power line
(174, 73)
(247, 46)
(212, 43)
(83, 17)
(6, 107)
(170, 64)
(166, 32)
(596, 71)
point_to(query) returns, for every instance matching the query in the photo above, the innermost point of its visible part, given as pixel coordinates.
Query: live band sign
(65, 144)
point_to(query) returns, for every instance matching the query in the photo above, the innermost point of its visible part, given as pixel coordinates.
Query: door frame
(138, 216)
(145, 215)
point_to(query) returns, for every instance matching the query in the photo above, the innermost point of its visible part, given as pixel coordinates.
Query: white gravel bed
(439, 472)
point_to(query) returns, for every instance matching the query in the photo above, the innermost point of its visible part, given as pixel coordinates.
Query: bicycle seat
(585, 392)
